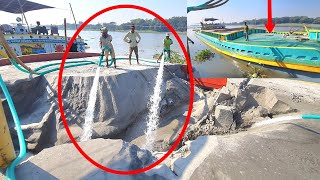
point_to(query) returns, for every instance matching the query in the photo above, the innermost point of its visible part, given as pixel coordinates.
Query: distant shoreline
(282, 25)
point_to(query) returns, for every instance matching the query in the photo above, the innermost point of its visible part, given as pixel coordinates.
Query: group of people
(132, 38)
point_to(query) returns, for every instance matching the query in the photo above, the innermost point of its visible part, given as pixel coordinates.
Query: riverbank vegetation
(176, 58)
(255, 72)
(154, 25)
(283, 20)
(203, 56)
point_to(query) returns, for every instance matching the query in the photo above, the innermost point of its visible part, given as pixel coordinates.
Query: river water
(151, 43)
(224, 66)
(218, 66)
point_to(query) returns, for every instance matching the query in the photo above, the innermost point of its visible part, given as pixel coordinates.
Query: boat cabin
(26, 40)
(209, 24)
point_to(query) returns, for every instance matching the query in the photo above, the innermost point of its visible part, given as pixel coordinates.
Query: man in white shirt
(133, 38)
(105, 42)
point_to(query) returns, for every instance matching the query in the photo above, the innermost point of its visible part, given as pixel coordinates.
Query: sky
(83, 9)
(239, 10)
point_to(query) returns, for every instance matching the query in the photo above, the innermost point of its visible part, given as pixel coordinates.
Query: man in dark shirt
(246, 31)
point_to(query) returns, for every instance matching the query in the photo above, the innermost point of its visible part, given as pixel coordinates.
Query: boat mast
(24, 16)
(65, 32)
(74, 18)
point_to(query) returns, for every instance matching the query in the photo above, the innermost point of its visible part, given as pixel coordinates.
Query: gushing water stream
(278, 120)
(87, 127)
(153, 116)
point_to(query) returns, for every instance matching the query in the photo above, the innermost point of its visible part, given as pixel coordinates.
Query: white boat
(37, 40)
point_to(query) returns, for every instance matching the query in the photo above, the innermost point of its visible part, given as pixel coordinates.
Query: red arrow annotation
(270, 26)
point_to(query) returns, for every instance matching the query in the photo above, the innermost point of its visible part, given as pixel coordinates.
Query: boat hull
(27, 44)
(211, 83)
(49, 57)
(297, 58)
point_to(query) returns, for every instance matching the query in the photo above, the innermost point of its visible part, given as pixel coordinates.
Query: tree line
(178, 23)
(284, 20)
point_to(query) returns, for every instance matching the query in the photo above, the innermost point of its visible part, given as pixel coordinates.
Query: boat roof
(225, 31)
(210, 19)
(20, 6)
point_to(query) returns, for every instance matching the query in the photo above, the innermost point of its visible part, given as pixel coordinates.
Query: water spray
(87, 127)
(153, 116)
(287, 118)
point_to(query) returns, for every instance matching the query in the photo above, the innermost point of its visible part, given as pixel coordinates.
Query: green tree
(316, 20)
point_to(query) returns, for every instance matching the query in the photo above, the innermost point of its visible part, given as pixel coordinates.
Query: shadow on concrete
(305, 128)
(30, 171)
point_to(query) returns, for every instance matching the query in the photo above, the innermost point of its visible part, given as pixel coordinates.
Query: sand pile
(122, 102)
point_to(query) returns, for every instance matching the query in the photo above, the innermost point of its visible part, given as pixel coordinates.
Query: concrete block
(223, 95)
(255, 96)
(224, 116)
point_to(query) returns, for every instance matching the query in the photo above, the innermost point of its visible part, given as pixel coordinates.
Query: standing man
(105, 42)
(246, 31)
(133, 38)
(167, 42)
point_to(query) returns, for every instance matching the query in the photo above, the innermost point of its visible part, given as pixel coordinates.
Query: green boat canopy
(19, 6)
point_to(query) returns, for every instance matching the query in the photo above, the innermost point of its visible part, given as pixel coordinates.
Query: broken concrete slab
(281, 108)
(202, 107)
(224, 94)
(254, 96)
(224, 116)
(254, 113)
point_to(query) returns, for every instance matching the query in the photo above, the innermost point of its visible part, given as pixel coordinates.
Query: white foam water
(153, 116)
(278, 120)
(87, 127)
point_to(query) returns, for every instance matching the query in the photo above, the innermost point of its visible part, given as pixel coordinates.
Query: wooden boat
(210, 83)
(26, 41)
(292, 50)
(206, 83)
(208, 24)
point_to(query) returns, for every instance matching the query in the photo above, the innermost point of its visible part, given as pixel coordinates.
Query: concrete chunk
(255, 114)
(223, 95)
(255, 96)
(224, 116)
